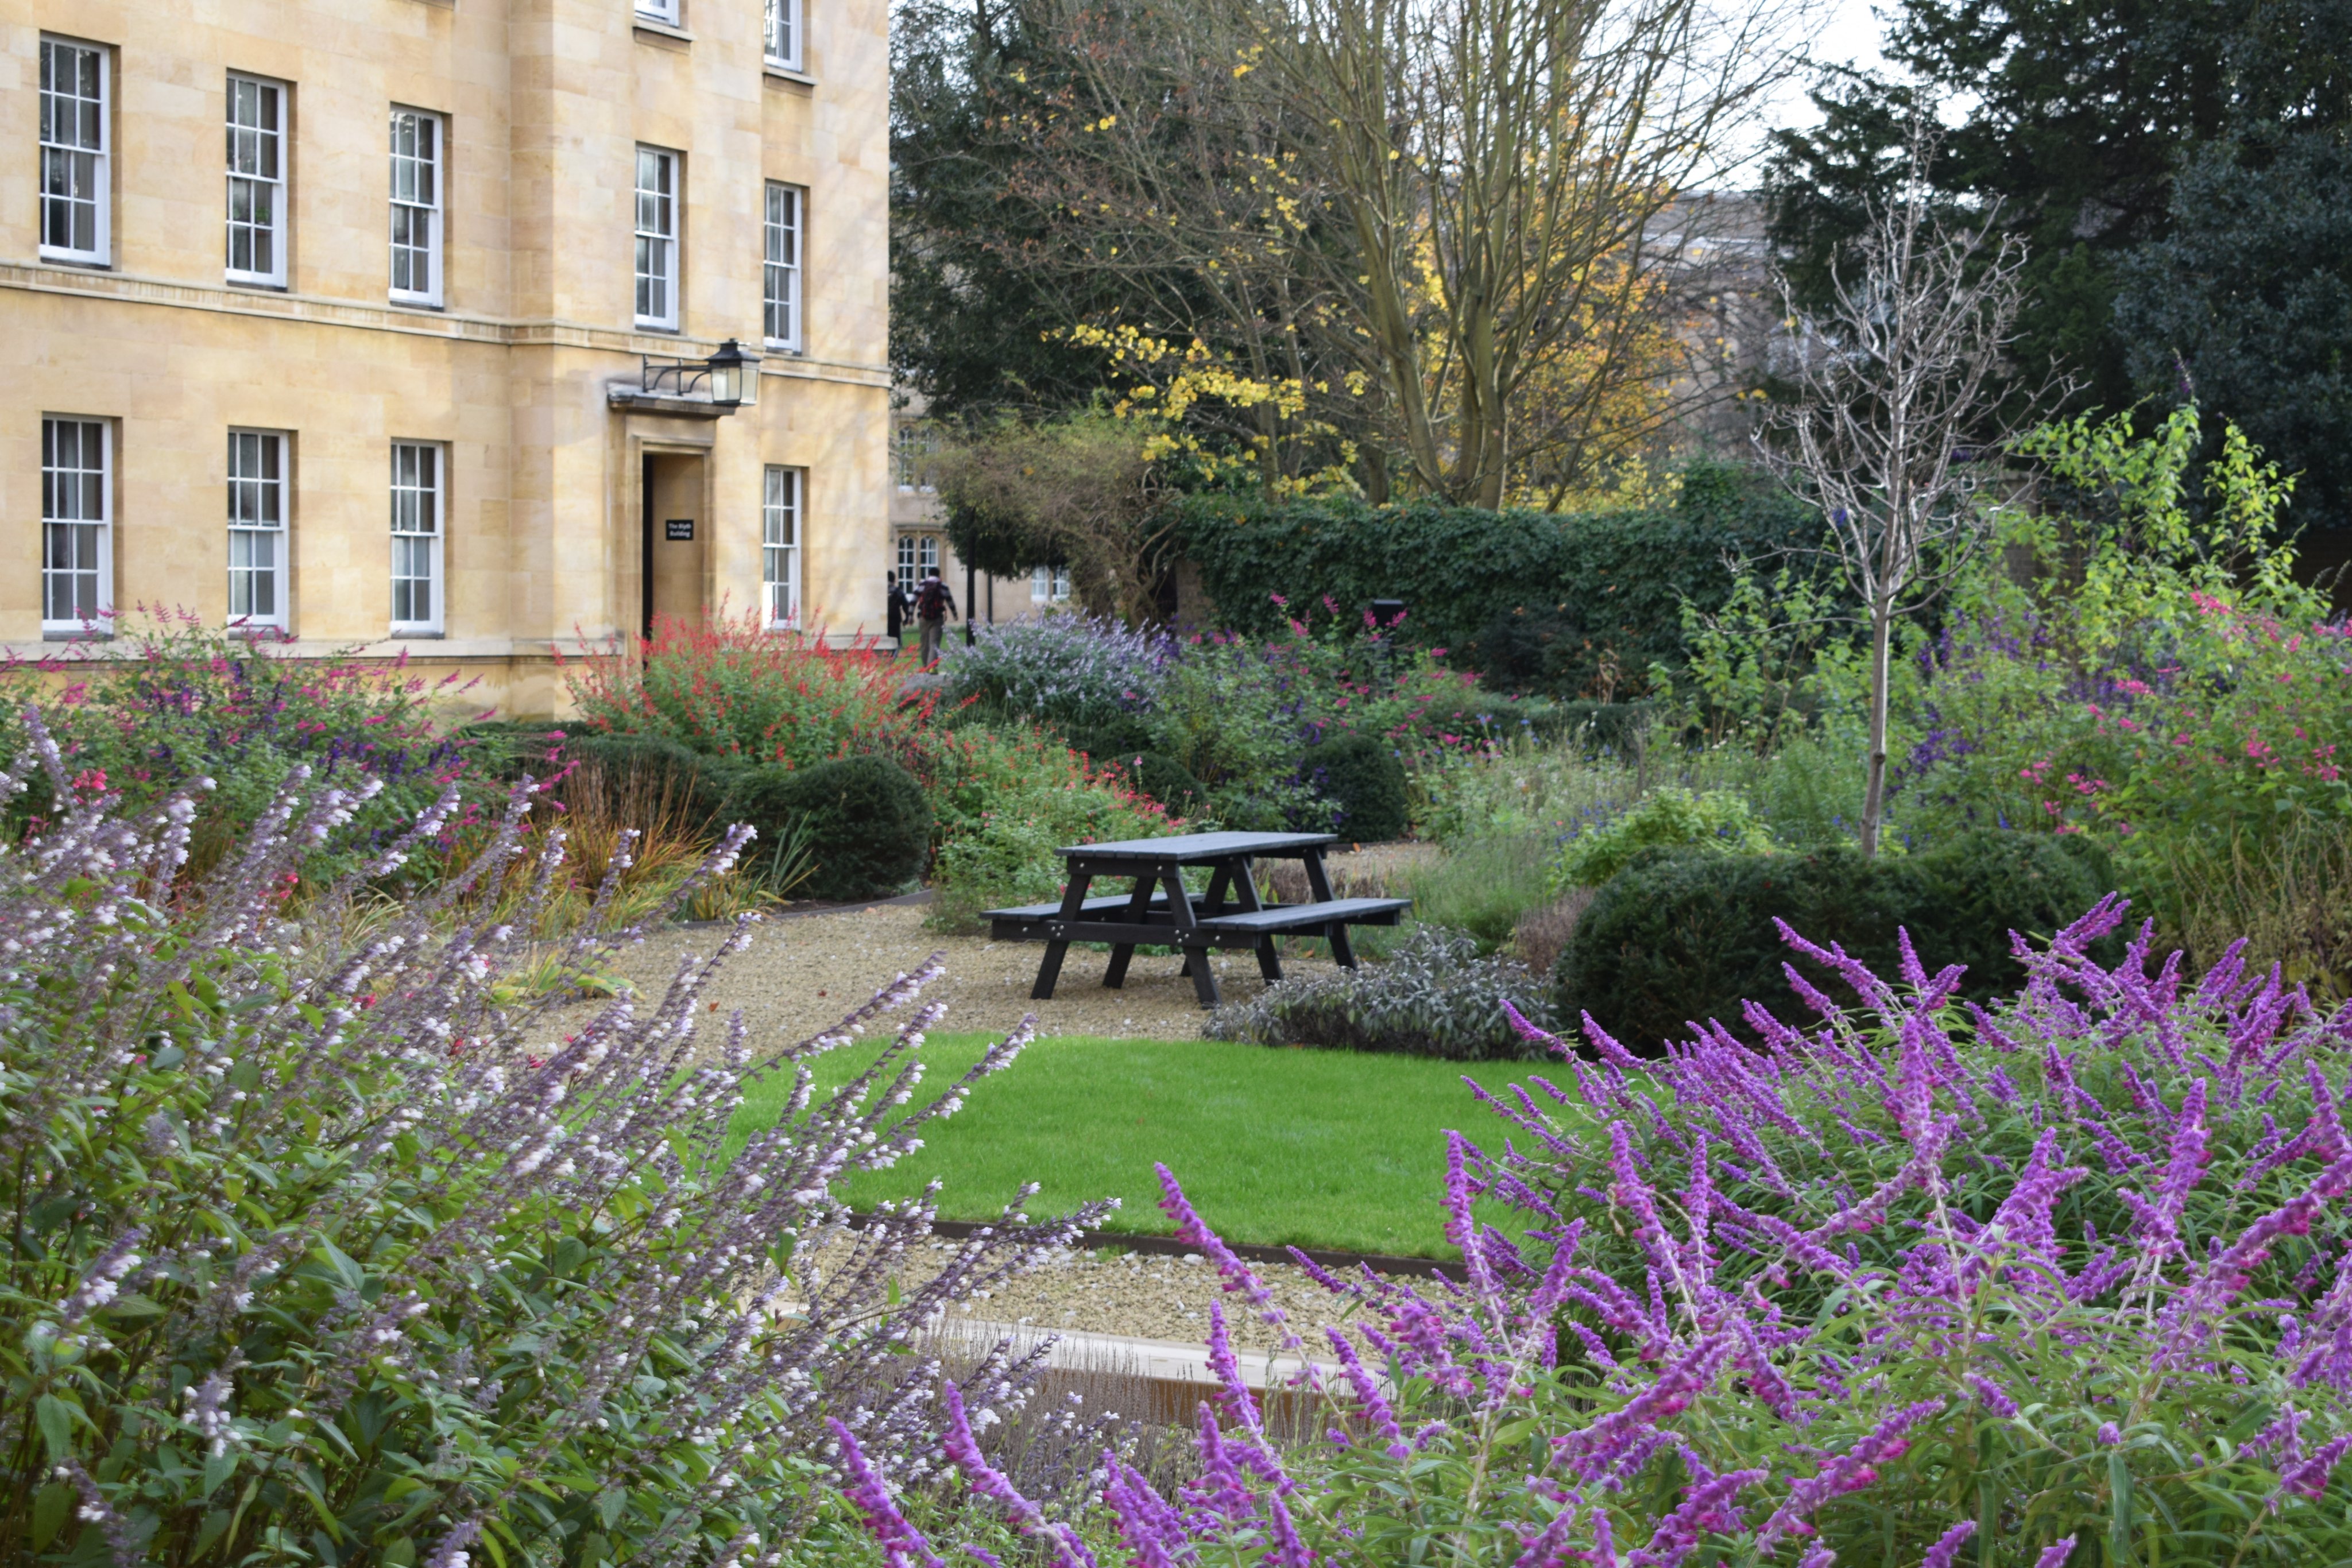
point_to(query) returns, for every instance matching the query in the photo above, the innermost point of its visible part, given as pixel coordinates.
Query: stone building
(335, 317)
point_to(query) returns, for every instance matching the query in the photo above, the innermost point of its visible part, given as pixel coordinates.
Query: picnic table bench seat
(1306, 916)
(1052, 908)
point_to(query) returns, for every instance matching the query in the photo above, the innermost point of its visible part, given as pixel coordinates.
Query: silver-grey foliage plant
(1067, 669)
(1434, 995)
(317, 1254)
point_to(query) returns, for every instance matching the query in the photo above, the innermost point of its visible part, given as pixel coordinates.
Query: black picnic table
(1159, 909)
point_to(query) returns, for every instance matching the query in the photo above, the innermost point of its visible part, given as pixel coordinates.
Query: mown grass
(1312, 1148)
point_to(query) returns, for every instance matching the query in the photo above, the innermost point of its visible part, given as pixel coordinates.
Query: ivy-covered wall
(1536, 602)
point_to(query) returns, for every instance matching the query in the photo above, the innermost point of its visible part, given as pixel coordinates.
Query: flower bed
(2067, 1279)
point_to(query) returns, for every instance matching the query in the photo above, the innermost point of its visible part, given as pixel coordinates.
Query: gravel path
(1150, 1298)
(801, 974)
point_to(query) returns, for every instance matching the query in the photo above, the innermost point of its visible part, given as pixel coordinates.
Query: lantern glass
(734, 375)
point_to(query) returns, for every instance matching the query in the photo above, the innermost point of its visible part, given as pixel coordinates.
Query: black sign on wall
(678, 528)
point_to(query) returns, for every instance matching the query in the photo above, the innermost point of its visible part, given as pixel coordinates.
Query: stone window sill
(775, 72)
(652, 31)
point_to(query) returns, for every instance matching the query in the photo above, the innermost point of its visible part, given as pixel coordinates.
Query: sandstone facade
(146, 318)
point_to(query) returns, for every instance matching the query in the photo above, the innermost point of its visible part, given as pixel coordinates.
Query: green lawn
(1321, 1148)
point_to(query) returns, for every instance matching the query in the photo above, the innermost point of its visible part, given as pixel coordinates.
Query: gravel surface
(1147, 1298)
(801, 974)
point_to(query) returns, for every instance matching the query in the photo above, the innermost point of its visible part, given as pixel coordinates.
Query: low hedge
(868, 825)
(1361, 775)
(1683, 936)
(1537, 601)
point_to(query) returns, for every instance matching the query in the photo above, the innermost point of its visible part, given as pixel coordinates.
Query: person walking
(895, 596)
(933, 604)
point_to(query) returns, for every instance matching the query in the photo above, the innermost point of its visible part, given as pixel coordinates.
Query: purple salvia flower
(1237, 1275)
(1154, 1531)
(2281, 1442)
(1599, 1447)
(2309, 1479)
(2055, 1556)
(1369, 1397)
(1706, 1510)
(964, 1449)
(1947, 1549)
(1995, 1397)
(450, 1551)
(99, 1285)
(902, 1545)
(2110, 1434)
(1849, 1472)
(1548, 1547)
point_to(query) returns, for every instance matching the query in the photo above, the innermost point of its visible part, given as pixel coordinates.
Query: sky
(1846, 33)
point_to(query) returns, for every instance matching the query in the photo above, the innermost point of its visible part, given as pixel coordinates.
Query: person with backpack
(933, 604)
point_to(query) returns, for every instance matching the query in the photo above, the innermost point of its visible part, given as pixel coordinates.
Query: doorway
(677, 538)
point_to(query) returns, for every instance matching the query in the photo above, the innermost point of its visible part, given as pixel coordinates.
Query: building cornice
(454, 326)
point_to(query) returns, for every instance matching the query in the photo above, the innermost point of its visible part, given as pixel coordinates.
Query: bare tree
(1501, 170)
(1897, 424)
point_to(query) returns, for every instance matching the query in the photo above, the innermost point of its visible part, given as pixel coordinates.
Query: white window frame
(662, 11)
(256, 161)
(420, 522)
(1049, 585)
(259, 507)
(781, 24)
(783, 233)
(656, 213)
(419, 184)
(784, 506)
(917, 444)
(73, 499)
(918, 554)
(65, 150)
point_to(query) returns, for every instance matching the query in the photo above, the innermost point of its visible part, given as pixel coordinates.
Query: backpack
(931, 600)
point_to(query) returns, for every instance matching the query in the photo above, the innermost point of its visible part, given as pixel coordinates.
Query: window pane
(72, 148)
(74, 525)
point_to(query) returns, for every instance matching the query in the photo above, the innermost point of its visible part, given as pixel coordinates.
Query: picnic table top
(1185, 848)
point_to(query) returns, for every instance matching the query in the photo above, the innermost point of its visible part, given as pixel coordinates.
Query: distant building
(1719, 274)
(919, 540)
(329, 317)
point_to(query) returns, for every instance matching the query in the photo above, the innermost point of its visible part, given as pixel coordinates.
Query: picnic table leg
(1319, 883)
(1204, 979)
(1049, 969)
(1269, 957)
(1185, 930)
(1138, 907)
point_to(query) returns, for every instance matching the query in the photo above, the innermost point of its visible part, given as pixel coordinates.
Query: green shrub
(1120, 737)
(1435, 995)
(1713, 820)
(1683, 935)
(1166, 781)
(1005, 802)
(1362, 775)
(1536, 600)
(866, 822)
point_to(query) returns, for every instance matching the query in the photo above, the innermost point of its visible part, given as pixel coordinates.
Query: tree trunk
(1873, 796)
